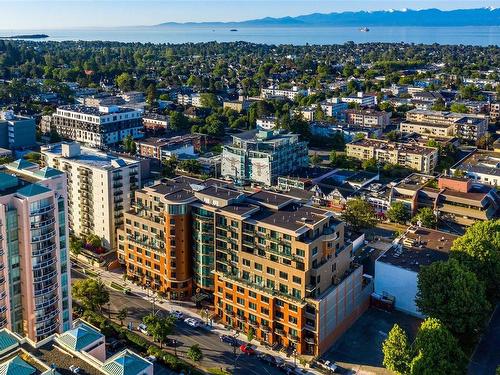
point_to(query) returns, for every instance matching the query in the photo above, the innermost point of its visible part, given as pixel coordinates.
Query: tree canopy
(359, 214)
(91, 293)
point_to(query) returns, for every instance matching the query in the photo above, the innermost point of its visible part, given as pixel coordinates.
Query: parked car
(74, 369)
(192, 322)
(177, 314)
(171, 342)
(151, 358)
(267, 358)
(328, 365)
(143, 329)
(287, 368)
(231, 340)
(247, 349)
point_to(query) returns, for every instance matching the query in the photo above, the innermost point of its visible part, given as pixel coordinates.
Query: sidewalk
(187, 308)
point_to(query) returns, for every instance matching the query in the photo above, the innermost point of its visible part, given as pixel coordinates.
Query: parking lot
(361, 346)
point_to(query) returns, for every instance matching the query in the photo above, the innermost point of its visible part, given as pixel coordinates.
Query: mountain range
(405, 17)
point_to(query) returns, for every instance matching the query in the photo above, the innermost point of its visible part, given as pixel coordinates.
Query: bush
(194, 353)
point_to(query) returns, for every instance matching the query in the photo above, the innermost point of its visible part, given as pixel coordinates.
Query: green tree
(125, 82)
(459, 108)
(369, 165)
(93, 240)
(194, 353)
(397, 351)
(479, 251)
(158, 327)
(178, 121)
(449, 292)
(209, 100)
(75, 245)
(437, 351)
(122, 315)
(33, 157)
(359, 214)
(250, 334)
(398, 213)
(426, 217)
(315, 160)
(190, 166)
(151, 94)
(91, 293)
(169, 166)
(127, 142)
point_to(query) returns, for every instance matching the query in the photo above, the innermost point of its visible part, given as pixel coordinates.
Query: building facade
(368, 118)
(96, 127)
(284, 271)
(261, 156)
(276, 92)
(445, 124)
(35, 268)
(100, 187)
(420, 158)
(16, 132)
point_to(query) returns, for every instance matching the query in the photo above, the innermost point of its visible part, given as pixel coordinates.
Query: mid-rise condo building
(261, 156)
(97, 127)
(100, 187)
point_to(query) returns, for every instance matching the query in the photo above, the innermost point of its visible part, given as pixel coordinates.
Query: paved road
(216, 354)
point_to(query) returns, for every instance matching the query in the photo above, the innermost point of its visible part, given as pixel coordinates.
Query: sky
(57, 14)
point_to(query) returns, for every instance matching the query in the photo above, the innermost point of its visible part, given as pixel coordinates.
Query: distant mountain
(406, 17)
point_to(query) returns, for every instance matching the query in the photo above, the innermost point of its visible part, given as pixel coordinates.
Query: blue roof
(126, 363)
(33, 189)
(8, 181)
(7, 340)
(22, 164)
(48, 172)
(80, 337)
(16, 366)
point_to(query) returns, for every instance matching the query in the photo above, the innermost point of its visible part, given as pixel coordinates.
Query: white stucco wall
(400, 283)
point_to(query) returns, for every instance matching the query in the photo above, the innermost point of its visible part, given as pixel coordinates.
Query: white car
(151, 358)
(192, 322)
(177, 314)
(143, 329)
(74, 369)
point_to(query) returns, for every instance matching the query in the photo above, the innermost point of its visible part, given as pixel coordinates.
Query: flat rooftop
(94, 111)
(483, 162)
(390, 146)
(270, 199)
(419, 247)
(292, 217)
(219, 192)
(92, 157)
(415, 181)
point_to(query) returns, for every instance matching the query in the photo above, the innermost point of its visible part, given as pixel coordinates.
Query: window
(252, 294)
(296, 293)
(283, 288)
(297, 280)
(300, 253)
(240, 301)
(246, 262)
(239, 289)
(292, 308)
(252, 306)
(270, 271)
(258, 266)
(283, 275)
(292, 319)
(264, 299)
(270, 284)
(280, 303)
(264, 310)
(315, 251)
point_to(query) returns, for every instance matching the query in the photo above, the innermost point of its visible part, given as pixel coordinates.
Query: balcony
(46, 263)
(265, 328)
(43, 223)
(49, 302)
(310, 340)
(3, 322)
(43, 237)
(294, 338)
(42, 210)
(47, 329)
(3, 309)
(48, 290)
(46, 277)
(280, 332)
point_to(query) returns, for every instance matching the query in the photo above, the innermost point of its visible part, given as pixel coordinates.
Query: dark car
(267, 358)
(228, 340)
(171, 342)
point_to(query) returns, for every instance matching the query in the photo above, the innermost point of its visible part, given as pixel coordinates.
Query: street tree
(398, 213)
(93, 240)
(194, 353)
(315, 160)
(75, 245)
(122, 315)
(91, 293)
(159, 327)
(437, 352)
(397, 351)
(359, 214)
(479, 251)
(449, 292)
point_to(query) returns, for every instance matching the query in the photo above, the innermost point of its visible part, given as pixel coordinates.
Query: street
(215, 353)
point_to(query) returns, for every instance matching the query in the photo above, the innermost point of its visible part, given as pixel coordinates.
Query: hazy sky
(53, 14)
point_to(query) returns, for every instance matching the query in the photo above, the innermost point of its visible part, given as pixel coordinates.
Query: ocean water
(487, 35)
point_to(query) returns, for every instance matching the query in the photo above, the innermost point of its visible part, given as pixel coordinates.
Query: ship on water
(364, 29)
